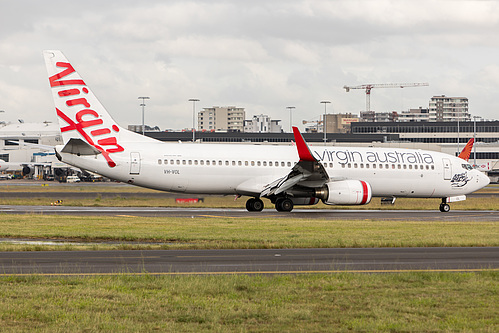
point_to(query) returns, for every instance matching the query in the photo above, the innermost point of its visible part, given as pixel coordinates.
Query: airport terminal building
(15, 140)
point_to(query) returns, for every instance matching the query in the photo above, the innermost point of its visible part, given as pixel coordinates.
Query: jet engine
(305, 201)
(345, 192)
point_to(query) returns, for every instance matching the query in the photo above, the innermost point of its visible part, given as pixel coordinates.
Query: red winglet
(465, 154)
(301, 145)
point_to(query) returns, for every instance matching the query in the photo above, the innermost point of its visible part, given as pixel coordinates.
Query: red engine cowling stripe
(365, 192)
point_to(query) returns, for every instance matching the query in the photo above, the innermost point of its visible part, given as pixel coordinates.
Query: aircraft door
(447, 168)
(134, 163)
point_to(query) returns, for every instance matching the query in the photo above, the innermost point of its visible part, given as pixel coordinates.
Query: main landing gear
(444, 206)
(254, 205)
(284, 205)
(281, 205)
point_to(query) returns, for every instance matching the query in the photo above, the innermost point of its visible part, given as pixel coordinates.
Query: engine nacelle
(345, 192)
(305, 201)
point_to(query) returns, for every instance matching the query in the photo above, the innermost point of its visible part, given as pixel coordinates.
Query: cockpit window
(467, 167)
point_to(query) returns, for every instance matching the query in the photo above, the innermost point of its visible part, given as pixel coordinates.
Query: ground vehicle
(72, 179)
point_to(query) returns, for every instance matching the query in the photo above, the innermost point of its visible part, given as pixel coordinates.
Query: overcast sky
(261, 55)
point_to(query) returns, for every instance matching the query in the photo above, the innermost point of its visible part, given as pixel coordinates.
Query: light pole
(143, 105)
(193, 100)
(474, 139)
(290, 108)
(324, 120)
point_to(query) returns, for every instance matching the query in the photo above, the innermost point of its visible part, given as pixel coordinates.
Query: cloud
(260, 55)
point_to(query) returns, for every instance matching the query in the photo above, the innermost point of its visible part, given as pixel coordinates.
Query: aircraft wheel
(254, 205)
(284, 205)
(444, 208)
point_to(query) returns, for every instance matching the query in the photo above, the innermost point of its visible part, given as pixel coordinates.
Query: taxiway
(282, 261)
(356, 214)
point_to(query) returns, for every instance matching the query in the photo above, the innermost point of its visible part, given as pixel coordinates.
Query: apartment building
(225, 118)
(443, 108)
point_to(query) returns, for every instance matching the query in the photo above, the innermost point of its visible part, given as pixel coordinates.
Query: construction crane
(368, 87)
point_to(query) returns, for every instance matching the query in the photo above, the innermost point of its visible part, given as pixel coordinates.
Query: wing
(308, 172)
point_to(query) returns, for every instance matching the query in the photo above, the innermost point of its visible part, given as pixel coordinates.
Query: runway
(357, 214)
(283, 261)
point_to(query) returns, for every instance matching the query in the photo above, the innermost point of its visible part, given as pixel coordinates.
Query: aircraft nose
(484, 179)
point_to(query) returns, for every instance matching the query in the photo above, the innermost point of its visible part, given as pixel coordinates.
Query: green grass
(409, 302)
(223, 233)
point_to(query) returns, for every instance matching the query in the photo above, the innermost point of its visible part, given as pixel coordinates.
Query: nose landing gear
(444, 206)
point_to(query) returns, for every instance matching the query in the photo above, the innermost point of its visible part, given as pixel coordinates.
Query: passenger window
(190, 162)
(239, 163)
(246, 163)
(178, 162)
(349, 165)
(264, 163)
(283, 164)
(201, 162)
(289, 164)
(208, 162)
(184, 162)
(270, 163)
(159, 161)
(165, 161)
(252, 163)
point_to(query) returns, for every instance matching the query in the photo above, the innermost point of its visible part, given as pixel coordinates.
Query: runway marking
(126, 216)
(458, 270)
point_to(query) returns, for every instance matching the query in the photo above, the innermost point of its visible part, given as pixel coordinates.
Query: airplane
(286, 175)
(466, 152)
(4, 165)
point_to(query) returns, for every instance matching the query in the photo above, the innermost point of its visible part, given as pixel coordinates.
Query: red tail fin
(465, 154)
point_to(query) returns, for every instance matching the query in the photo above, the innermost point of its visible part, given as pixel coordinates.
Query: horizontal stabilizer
(79, 147)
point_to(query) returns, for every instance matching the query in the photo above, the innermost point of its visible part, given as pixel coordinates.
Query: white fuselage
(246, 169)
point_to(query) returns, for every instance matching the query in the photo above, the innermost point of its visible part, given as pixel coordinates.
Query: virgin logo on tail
(87, 121)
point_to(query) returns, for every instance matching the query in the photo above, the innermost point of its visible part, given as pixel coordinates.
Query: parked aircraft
(466, 152)
(287, 175)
